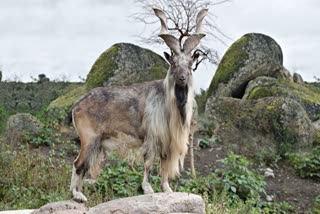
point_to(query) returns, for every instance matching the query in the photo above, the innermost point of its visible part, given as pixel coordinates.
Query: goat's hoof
(166, 188)
(79, 197)
(147, 189)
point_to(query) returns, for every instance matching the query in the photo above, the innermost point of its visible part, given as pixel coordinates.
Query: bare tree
(181, 16)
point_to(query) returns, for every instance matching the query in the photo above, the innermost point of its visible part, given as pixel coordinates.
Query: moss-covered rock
(270, 87)
(59, 108)
(231, 62)
(123, 64)
(251, 56)
(19, 126)
(273, 123)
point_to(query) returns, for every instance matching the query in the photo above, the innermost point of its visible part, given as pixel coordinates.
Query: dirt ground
(286, 186)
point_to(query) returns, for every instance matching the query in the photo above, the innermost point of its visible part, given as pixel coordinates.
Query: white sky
(63, 38)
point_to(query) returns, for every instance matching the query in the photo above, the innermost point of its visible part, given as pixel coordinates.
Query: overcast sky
(63, 38)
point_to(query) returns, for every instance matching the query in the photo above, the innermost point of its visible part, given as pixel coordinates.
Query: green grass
(30, 180)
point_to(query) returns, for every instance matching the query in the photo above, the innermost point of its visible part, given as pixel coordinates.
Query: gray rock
(271, 87)
(297, 78)
(176, 202)
(269, 173)
(251, 56)
(20, 125)
(62, 207)
(124, 64)
(316, 125)
(121, 64)
(272, 124)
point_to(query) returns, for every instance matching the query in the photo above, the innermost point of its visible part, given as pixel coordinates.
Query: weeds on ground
(307, 165)
(29, 180)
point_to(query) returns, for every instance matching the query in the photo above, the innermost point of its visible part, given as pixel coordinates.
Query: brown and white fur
(153, 116)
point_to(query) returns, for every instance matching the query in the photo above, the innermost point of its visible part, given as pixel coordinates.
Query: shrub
(307, 165)
(238, 180)
(316, 205)
(44, 137)
(3, 118)
(118, 179)
(30, 180)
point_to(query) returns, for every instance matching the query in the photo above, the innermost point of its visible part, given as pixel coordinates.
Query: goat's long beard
(181, 93)
(179, 104)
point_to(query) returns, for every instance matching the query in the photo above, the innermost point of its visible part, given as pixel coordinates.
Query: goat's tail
(69, 118)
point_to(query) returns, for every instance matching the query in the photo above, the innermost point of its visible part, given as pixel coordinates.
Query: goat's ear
(172, 42)
(192, 42)
(168, 57)
(195, 56)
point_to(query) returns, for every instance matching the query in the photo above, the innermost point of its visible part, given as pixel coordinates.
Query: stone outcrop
(270, 87)
(121, 64)
(271, 123)
(176, 202)
(124, 64)
(297, 78)
(20, 125)
(253, 101)
(251, 56)
(62, 207)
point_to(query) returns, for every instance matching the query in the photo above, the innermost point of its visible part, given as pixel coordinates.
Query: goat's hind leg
(87, 161)
(146, 186)
(78, 173)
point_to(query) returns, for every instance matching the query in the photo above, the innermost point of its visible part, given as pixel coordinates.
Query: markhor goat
(154, 116)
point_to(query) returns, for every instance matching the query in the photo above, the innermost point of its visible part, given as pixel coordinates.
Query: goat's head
(181, 58)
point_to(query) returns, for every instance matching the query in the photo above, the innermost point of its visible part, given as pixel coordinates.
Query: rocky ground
(286, 186)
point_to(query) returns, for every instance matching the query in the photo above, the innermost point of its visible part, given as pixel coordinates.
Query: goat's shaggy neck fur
(167, 124)
(179, 105)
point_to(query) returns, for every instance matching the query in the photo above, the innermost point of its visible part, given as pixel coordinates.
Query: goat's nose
(182, 78)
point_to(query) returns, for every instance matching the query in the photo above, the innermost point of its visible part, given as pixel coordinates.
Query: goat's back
(108, 111)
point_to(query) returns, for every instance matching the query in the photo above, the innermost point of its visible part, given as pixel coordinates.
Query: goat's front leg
(146, 186)
(164, 178)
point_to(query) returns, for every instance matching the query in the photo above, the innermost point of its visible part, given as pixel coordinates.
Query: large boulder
(270, 87)
(297, 78)
(70, 207)
(124, 64)
(19, 126)
(251, 56)
(176, 202)
(121, 64)
(272, 124)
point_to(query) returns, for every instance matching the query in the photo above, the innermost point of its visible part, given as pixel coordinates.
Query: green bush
(3, 118)
(238, 179)
(30, 180)
(307, 165)
(316, 205)
(118, 179)
(44, 137)
(275, 207)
